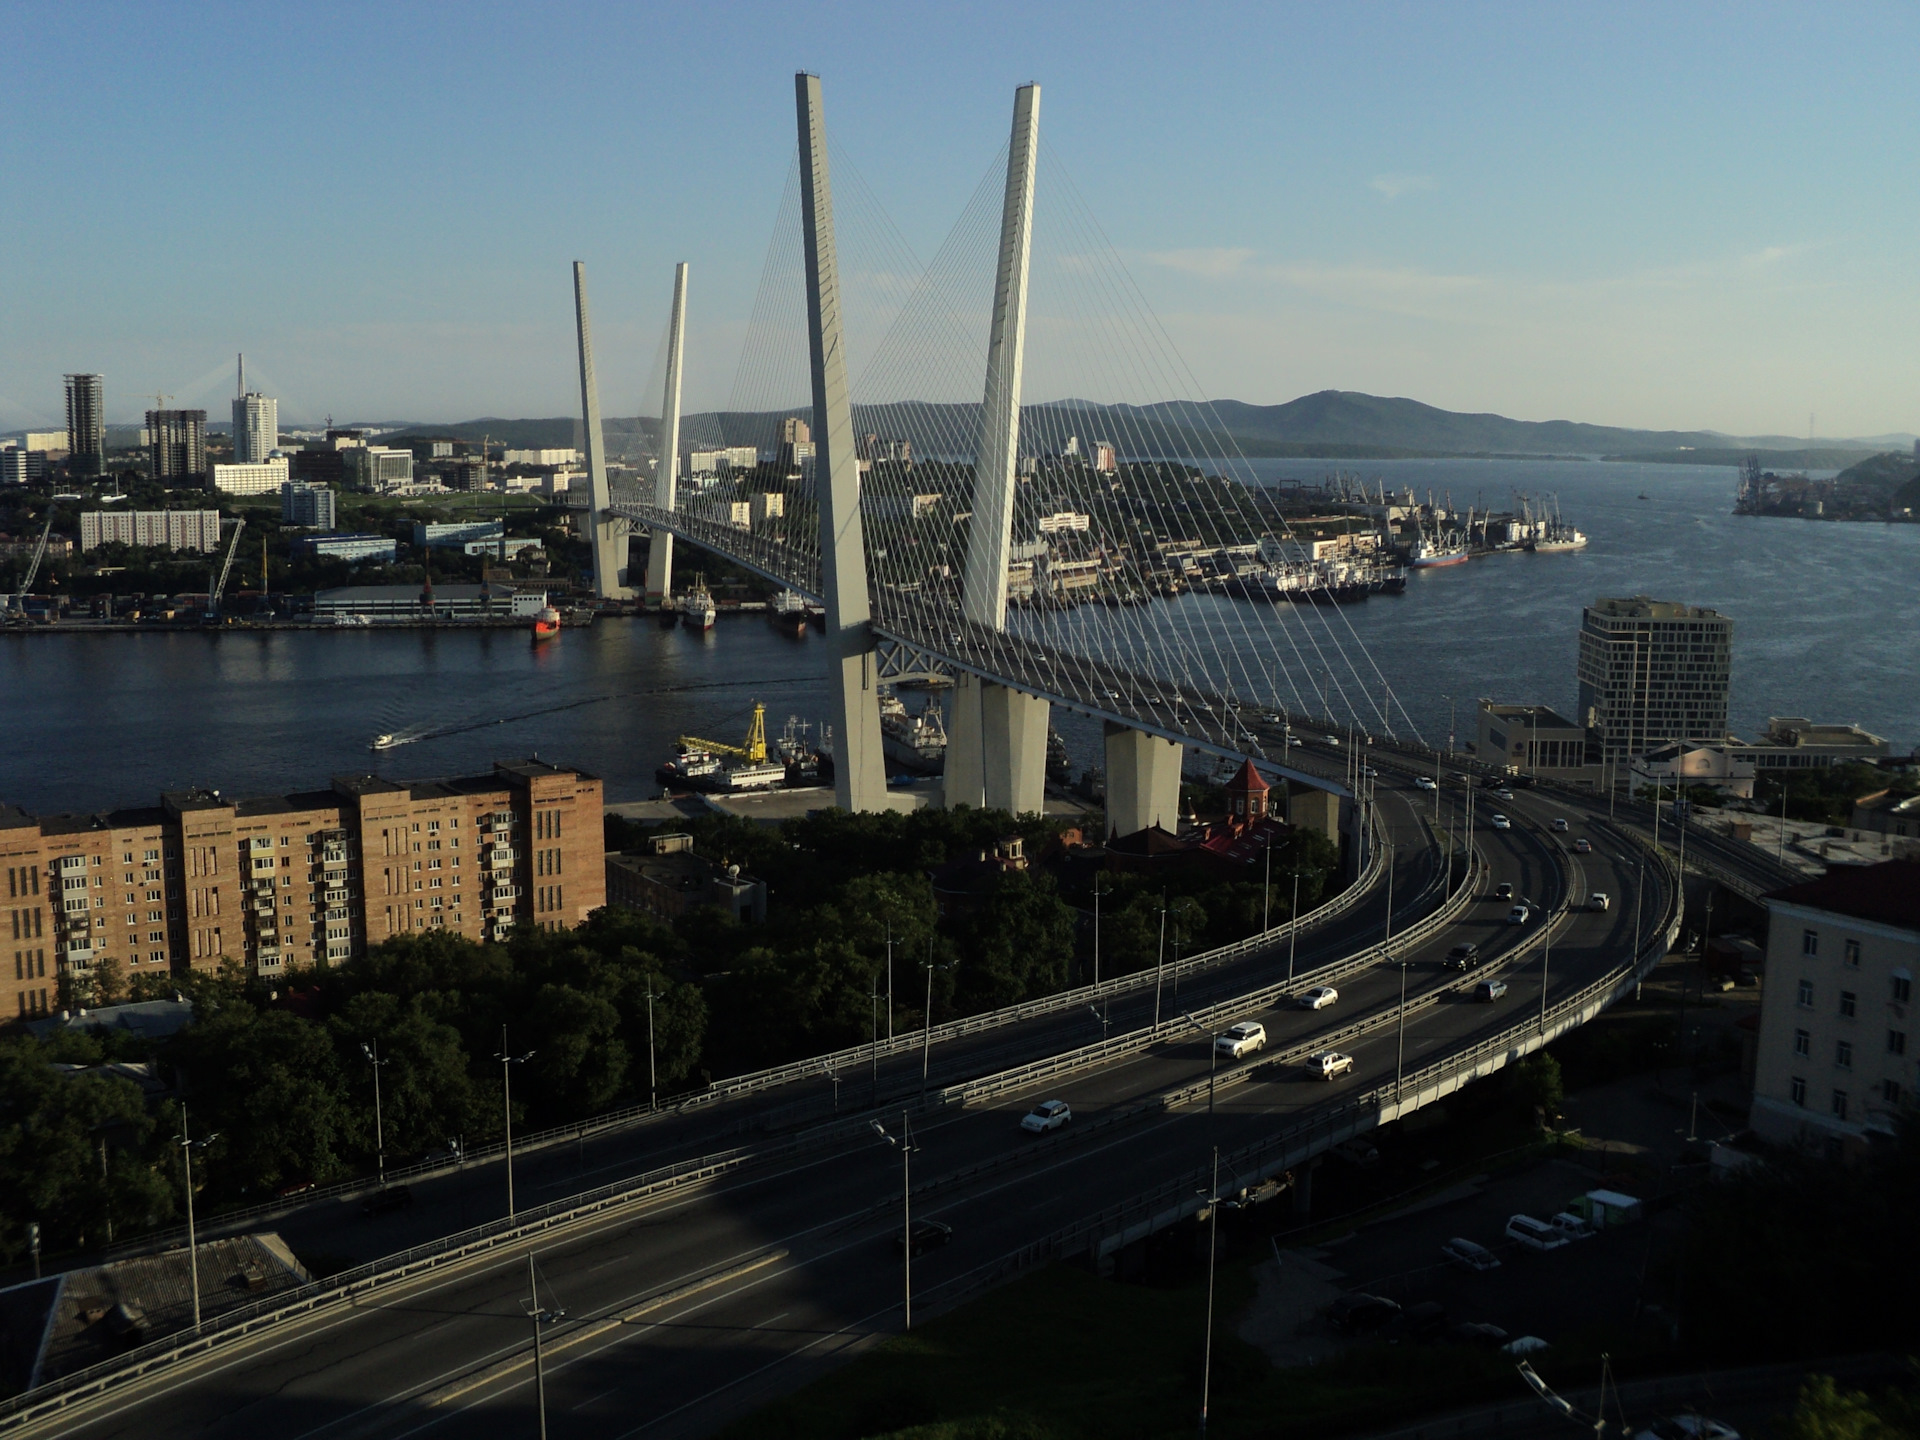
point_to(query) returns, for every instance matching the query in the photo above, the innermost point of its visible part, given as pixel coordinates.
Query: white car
(1329, 1064)
(1319, 998)
(1425, 782)
(1535, 1234)
(1519, 915)
(1500, 822)
(1333, 739)
(1240, 1040)
(1469, 1256)
(1526, 1345)
(1047, 1115)
(1559, 826)
(1294, 742)
(1599, 900)
(1571, 1225)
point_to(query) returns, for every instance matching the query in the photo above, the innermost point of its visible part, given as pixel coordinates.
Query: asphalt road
(446, 1204)
(416, 1361)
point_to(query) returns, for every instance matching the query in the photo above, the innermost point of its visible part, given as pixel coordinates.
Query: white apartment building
(1837, 1051)
(164, 529)
(264, 478)
(256, 428)
(378, 468)
(566, 457)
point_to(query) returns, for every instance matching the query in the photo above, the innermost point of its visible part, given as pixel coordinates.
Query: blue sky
(1665, 215)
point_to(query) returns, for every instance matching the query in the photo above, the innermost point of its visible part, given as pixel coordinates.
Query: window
(1839, 1104)
(1810, 942)
(1890, 1091)
(1798, 1089)
(1851, 954)
(1847, 1004)
(1806, 994)
(1802, 1042)
(1843, 1054)
(1896, 1042)
(1902, 987)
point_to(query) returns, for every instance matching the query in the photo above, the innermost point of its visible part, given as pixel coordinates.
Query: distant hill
(1332, 423)
(1888, 474)
(1778, 461)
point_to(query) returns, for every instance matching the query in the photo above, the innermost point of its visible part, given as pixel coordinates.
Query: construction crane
(754, 752)
(18, 604)
(220, 587)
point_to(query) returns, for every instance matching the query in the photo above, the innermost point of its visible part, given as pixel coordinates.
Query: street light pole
(1266, 892)
(1096, 931)
(1389, 936)
(1293, 923)
(905, 1146)
(507, 1062)
(187, 1147)
(1160, 962)
(889, 979)
(653, 1075)
(539, 1360)
(1213, 1247)
(1400, 1044)
(372, 1052)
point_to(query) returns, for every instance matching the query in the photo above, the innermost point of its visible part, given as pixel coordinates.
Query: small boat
(384, 742)
(697, 610)
(546, 623)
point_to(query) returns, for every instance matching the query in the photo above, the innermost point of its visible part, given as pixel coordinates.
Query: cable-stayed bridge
(1116, 575)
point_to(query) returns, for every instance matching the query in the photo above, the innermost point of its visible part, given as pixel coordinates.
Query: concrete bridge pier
(1143, 781)
(660, 553)
(605, 533)
(996, 747)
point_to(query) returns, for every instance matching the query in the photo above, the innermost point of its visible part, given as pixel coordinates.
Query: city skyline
(1649, 219)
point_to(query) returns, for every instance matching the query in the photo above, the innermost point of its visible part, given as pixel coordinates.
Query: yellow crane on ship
(754, 752)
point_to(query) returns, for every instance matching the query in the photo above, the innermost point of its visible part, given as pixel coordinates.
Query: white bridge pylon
(1005, 681)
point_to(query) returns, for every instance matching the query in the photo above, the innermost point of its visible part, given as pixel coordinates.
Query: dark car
(1359, 1314)
(385, 1202)
(1464, 956)
(1477, 1332)
(927, 1235)
(1503, 891)
(1421, 1322)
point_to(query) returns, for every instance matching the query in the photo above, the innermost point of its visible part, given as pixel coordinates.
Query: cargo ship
(788, 612)
(1430, 553)
(546, 623)
(916, 740)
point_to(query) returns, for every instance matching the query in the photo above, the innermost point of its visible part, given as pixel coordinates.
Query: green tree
(1016, 943)
(427, 1093)
(1826, 1412)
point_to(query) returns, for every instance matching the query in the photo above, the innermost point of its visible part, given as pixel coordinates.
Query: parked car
(1464, 956)
(1503, 891)
(1500, 821)
(1583, 846)
(1477, 1332)
(1358, 1151)
(927, 1235)
(1329, 1064)
(1519, 915)
(1425, 782)
(1047, 1115)
(1469, 1256)
(1319, 998)
(387, 1200)
(1241, 1039)
(1421, 1322)
(1571, 1225)
(1535, 1234)
(1357, 1313)
(1526, 1345)
(1489, 990)
(1599, 900)
(1559, 825)
(1688, 1427)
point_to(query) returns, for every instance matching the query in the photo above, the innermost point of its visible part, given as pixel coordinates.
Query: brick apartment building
(290, 882)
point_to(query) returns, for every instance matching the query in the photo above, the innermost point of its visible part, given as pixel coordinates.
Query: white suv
(1047, 1115)
(1241, 1040)
(1329, 1064)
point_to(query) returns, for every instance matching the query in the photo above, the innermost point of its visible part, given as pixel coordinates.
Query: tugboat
(697, 610)
(546, 624)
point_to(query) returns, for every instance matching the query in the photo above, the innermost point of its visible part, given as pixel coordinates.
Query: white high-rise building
(264, 478)
(256, 428)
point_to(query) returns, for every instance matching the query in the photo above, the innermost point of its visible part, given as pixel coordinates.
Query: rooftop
(1541, 717)
(150, 1019)
(1888, 893)
(1645, 607)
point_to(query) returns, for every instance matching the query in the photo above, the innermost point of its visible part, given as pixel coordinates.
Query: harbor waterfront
(1824, 623)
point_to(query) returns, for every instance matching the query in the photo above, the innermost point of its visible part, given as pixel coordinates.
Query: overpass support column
(1143, 781)
(996, 748)
(859, 764)
(660, 551)
(603, 531)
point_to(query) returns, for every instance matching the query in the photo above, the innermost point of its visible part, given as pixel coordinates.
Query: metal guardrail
(1109, 1229)
(247, 1320)
(813, 1067)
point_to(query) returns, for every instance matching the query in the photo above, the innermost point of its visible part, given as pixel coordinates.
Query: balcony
(505, 892)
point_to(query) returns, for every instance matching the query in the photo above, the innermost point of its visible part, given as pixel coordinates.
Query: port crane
(754, 752)
(220, 587)
(18, 603)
